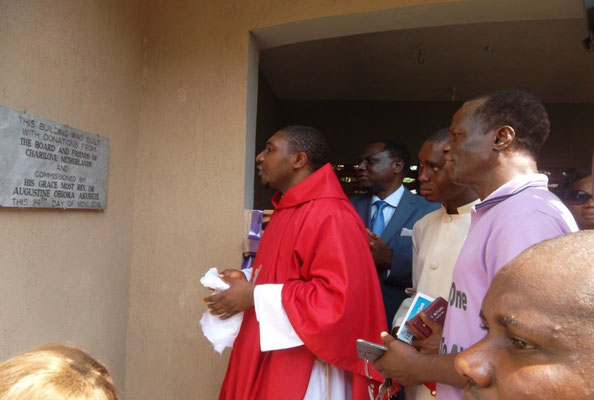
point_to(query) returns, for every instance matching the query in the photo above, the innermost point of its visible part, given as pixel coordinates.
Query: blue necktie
(377, 222)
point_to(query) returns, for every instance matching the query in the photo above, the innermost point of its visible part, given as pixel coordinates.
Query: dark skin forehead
(465, 114)
(473, 105)
(278, 139)
(374, 149)
(434, 157)
(525, 297)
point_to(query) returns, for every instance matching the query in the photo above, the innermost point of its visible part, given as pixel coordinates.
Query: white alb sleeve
(276, 331)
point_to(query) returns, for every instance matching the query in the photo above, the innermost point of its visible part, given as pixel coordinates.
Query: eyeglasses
(577, 197)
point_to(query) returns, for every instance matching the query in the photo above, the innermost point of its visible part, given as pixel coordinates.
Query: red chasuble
(316, 246)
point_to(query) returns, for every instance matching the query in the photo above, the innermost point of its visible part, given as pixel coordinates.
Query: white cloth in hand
(221, 333)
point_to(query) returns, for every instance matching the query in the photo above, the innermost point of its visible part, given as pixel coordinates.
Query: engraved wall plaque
(44, 164)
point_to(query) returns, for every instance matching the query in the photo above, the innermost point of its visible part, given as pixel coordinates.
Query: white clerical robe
(438, 238)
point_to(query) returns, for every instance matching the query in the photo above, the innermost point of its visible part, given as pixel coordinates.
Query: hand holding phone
(369, 350)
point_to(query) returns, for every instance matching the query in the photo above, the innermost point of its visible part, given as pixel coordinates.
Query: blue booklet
(420, 301)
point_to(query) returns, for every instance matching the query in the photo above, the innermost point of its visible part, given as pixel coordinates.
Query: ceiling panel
(438, 64)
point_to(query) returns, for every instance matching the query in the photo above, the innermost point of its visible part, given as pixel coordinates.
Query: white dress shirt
(393, 200)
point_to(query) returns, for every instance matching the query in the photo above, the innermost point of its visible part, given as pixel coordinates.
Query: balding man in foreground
(540, 331)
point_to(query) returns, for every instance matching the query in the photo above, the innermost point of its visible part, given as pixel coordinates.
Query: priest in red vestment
(313, 289)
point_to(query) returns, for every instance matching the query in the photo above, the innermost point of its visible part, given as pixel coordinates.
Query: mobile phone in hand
(369, 350)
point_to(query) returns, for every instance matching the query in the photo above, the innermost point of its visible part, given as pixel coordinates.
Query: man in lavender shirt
(493, 146)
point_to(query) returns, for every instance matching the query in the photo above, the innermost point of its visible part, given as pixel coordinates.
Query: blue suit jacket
(410, 209)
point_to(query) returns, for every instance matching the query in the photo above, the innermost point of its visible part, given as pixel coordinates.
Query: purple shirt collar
(512, 188)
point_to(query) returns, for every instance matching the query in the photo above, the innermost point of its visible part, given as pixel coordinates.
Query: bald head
(538, 317)
(576, 248)
(560, 271)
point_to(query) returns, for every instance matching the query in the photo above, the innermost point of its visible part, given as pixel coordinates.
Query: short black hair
(523, 111)
(396, 149)
(309, 141)
(439, 136)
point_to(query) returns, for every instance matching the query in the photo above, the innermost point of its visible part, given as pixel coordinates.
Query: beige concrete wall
(64, 275)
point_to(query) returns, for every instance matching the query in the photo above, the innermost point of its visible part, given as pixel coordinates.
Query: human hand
(381, 253)
(236, 299)
(397, 361)
(430, 344)
(233, 273)
(395, 331)
(266, 214)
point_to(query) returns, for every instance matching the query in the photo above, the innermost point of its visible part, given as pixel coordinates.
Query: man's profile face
(376, 167)
(275, 162)
(532, 349)
(435, 184)
(468, 150)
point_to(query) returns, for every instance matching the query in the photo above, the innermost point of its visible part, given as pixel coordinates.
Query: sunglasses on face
(577, 197)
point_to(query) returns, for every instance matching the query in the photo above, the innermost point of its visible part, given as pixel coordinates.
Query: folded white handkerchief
(221, 333)
(406, 232)
(212, 280)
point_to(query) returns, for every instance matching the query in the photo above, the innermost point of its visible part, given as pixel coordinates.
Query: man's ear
(300, 160)
(503, 137)
(398, 166)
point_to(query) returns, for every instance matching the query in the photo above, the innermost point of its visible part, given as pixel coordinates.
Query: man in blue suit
(389, 211)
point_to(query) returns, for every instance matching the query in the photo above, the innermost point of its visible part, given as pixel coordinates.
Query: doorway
(407, 83)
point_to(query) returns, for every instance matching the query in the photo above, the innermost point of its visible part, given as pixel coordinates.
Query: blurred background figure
(578, 198)
(55, 372)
